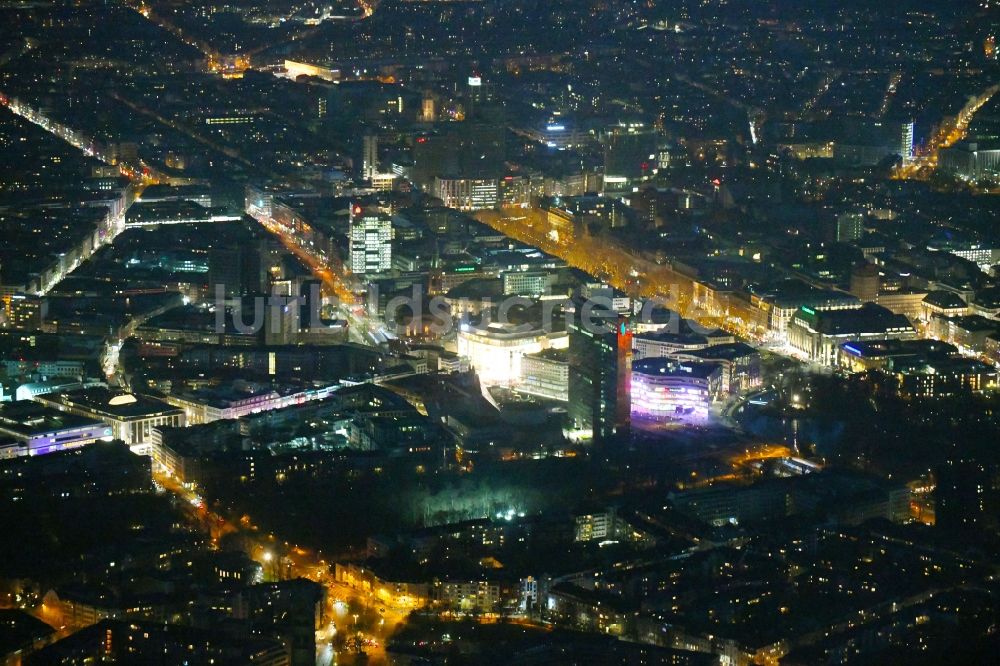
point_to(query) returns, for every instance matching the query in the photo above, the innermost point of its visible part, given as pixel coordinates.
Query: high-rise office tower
(369, 156)
(371, 242)
(463, 150)
(630, 154)
(600, 359)
(865, 282)
(282, 320)
(476, 93)
(906, 142)
(850, 226)
(310, 303)
(237, 271)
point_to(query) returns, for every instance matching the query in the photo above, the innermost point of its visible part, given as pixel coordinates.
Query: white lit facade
(468, 193)
(371, 243)
(545, 375)
(495, 350)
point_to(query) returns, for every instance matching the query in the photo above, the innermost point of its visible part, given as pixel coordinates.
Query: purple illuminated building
(30, 429)
(665, 390)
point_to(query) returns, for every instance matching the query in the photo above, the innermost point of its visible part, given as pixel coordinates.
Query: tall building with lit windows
(369, 157)
(467, 193)
(25, 313)
(371, 242)
(906, 142)
(629, 156)
(600, 360)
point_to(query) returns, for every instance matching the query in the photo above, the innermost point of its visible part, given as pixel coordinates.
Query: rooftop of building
(19, 630)
(974, 323)
(870, 318)
(501, 330)
(789, 294)
(943, 299)
(595, 598)
(513, 260)
(26, 418)
(158, 192)
(174, 210)
(672, 337)
(652, 314)
(477, 288)
(889, 348)
(113, 403)
(375, 397)
(236, 391)
(169, 641)
(724, 352)
(555, 355)
(114, 457)
(17, 345)
(941, 366)
(667, 367)
(988, 298)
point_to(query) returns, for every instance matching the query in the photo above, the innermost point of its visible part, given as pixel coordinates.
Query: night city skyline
(488, 332)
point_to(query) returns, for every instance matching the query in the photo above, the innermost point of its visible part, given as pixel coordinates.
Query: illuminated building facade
(780, 303)
(26, 313)
(817, 335)
(296, 69)
(739, 362)
(467, 193)
(906, 142)
(394, 593)
(943, 304)
(227, 403)
(881, 354)
(515, 191)
(495, 350)
(132, 418)
(667, 390)
(545, 374)
(850, 226)
(237, 119)
(371, 242)
(559, 134)
(527, 283)
(467, 596)
(968, 333)
(37, 430)
(983, 254)
(929, 378)
(971, 161)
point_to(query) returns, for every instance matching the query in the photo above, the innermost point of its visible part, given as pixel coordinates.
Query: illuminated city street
(499, 332)
(951, 131)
